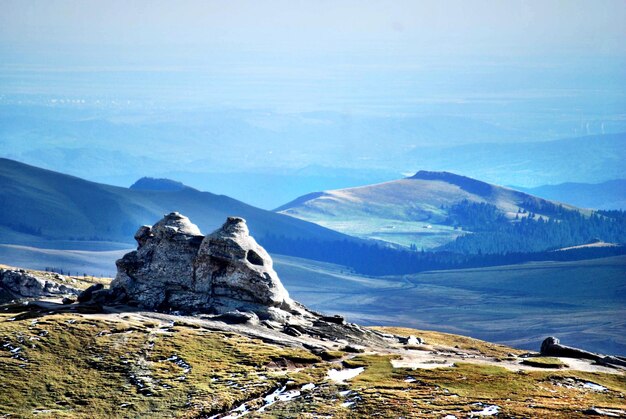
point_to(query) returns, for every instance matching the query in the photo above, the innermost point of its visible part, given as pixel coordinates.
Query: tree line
(492, 240)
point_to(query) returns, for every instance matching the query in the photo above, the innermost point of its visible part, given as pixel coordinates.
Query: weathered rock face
(239, 273)
(176, 268)
(21, 284)
(162, 266)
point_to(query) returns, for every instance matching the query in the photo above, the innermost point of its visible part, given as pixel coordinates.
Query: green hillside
(41, 205)
(418, 210)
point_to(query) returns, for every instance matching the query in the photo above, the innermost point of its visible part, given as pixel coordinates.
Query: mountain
(590, 159)
(421, 210)
(38, 205)
(241, 152)
(609, 195)
(152, 184)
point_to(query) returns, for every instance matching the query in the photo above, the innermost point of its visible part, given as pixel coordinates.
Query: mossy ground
(433, 338)
(544, 362)
(101, 366)
(76, 366)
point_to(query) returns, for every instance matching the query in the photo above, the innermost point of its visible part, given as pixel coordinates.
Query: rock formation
(176, 268)
(226, 276)
(239, 273)
(551, 346)
(22, 284)
(160, 273)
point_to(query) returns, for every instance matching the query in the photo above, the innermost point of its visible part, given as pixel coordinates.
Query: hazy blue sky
(350, 55)
(226, 79)
(414, 27)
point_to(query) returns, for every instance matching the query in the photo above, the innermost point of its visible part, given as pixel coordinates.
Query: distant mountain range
(46, 214)
(418, 210)
(590, 159)
(607, 195)
(269, 159)
(41, 205)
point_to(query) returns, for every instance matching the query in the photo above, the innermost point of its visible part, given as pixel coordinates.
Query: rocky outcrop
(22, 284)
(176, 268)
(239, 273)
(551, 346)
(160, 273)
(226, 276)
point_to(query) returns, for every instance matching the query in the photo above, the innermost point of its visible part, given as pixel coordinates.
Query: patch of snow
(279, 395)
(488, 410)
(347, 404)
(340, 376)
(613, 413)
(289, 395)
(449, 417)
(237, 413)
(307, 387)
(345, 393)
(410, 379)
(594, 386)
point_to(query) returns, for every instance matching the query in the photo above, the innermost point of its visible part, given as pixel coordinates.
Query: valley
(582, 302)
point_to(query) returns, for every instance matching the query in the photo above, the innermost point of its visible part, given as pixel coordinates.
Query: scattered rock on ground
(22, 284)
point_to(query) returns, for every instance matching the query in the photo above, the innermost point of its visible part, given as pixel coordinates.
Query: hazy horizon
(158, 88)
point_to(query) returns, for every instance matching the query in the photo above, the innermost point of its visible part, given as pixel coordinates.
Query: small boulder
(355, 349)
(237, 317)
(337, 319)
(87, 295)
(410, 340)
(551, 346)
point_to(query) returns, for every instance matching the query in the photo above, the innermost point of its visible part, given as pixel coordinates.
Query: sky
(363, 56)
(412, 27)
(379, 57)
(299, 83)
(302, 48)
